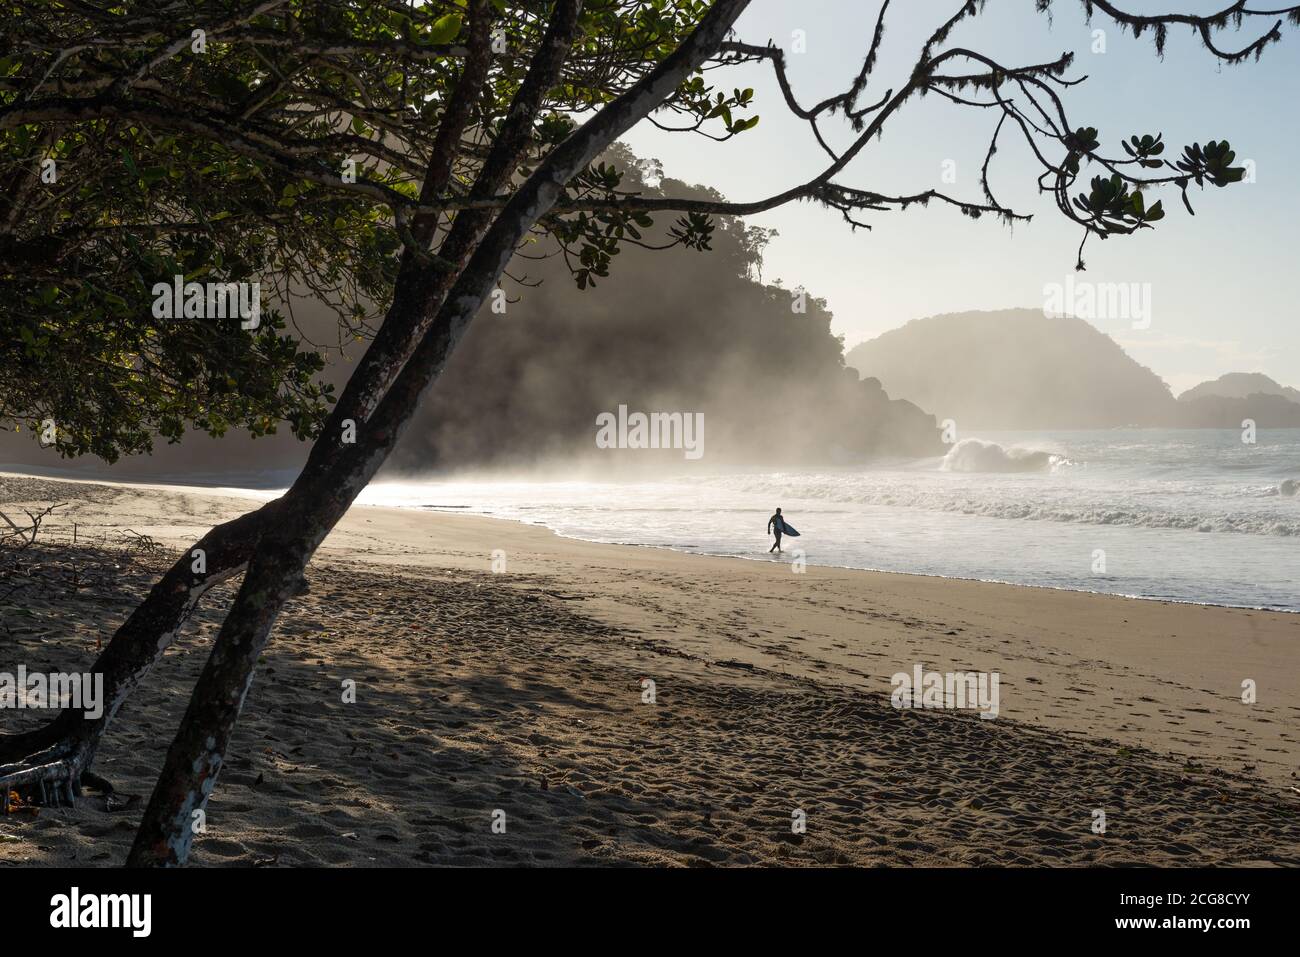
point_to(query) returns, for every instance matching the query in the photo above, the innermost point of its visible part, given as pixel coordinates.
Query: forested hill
(676, 330)
(668, 331)
(1016, 369)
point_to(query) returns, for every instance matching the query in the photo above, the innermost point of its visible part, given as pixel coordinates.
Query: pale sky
(1221, 283)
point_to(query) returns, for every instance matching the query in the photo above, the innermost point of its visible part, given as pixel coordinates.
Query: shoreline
(262, 495)
(686, 550)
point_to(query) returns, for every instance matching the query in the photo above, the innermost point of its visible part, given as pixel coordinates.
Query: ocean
(1184, 515)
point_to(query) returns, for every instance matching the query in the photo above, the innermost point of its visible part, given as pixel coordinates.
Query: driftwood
(141, 543)
(25, 536)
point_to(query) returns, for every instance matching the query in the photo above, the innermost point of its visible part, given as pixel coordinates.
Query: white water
(1184, 515)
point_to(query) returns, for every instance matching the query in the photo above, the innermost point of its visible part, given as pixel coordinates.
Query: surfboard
(789, 529)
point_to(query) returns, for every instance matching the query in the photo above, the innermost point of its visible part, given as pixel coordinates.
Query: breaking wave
(1041, 493)
(976, 455)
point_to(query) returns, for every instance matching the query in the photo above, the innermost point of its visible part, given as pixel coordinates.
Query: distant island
(1240, 385)
(1019, 369)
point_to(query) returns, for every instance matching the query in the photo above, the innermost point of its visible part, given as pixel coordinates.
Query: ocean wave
(1132, 518)
(1186, 506)
(977, 455)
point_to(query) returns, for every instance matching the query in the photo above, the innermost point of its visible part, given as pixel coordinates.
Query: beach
(590, 703)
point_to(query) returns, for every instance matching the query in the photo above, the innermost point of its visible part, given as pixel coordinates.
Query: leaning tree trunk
(319, 499)
(50, 762)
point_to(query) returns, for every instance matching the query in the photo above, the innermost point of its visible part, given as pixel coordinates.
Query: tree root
(50, 778)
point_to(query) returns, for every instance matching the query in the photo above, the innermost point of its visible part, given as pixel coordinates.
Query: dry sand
(522, 692)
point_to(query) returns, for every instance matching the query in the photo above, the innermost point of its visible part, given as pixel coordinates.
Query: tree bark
(334, 477)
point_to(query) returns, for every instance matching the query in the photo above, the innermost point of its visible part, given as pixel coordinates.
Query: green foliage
(81, 346)
(83, 358)
(1115, 203)
(1115, 208)
(1144, 149)
(252, 189)
(1213, 163)
(1079, 143)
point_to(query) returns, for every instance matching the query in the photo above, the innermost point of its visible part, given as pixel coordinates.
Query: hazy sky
(1221, 283)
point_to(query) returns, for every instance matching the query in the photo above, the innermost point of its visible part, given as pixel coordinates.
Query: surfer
(776, 524)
